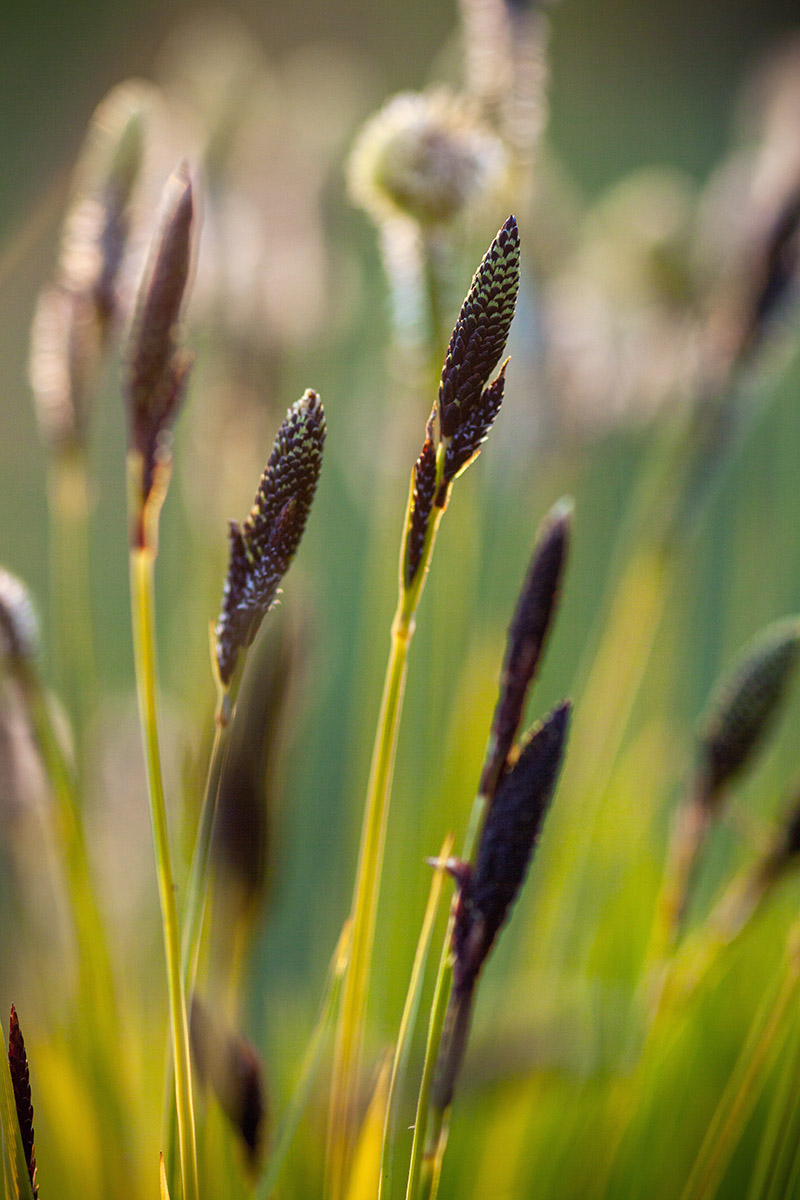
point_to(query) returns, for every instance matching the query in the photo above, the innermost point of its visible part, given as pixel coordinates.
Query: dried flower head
(19, 629)
(526, 637)
(265, 544)
(744, 706)
(20, 1081)
(229, 1064)
(509, 834)
(426, 156)
(156, 366)
(76, 313)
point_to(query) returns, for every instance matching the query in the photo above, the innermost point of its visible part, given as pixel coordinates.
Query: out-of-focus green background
(632, 84)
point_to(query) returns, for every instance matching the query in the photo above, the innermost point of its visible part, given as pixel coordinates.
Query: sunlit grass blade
(408, 1021)
(162, 1172)
(366, 1170)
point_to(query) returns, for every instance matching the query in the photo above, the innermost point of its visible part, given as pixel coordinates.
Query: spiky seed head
(19, 628)
(526, 637)
(156, 366)
(479, 339)
(20, 1082)
(422, 494)
(228, 1063)
(262, 548)
(510, 832)
(744, 706)
(426, 156)
(473, 431)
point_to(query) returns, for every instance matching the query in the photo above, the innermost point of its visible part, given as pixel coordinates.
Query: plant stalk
(350, 1029)
(142, 602)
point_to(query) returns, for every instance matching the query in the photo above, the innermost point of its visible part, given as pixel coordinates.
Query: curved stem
(142, 564)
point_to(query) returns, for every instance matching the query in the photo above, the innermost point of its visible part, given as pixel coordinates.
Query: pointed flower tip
(19, 628)
(262, 548)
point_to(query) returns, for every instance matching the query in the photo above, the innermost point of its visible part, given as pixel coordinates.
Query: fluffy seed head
(20, 1081)
(744, 706)
(19, 629)
(510, 831)
(265, 544)
(426, 156)
(157, 368)
(478, 342)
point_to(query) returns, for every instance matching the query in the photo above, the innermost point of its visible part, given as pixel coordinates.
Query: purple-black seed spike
(526, 637)
(744, 707)
(510, 831)
(157, 368)
(228, 1063)
(265, 544)
(470, 435)
(21, 1084)
(421, 506)
(481, 331)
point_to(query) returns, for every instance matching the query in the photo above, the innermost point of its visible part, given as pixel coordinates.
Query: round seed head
(426, 156)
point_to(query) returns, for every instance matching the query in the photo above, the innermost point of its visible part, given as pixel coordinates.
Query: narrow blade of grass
(407, 1023)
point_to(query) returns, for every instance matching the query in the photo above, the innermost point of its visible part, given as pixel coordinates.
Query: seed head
(744, 706)
(509, 834)
(526, 637)
(425, 156)
(157, 367)
(20, 1081)
(229, 1064)
(19, 629)
(477, 345)
(265, 544)
(423, 489)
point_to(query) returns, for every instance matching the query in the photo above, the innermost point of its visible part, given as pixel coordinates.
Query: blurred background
(653, 111)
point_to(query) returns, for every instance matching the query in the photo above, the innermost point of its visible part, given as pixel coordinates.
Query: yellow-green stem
(68, 493)
(431, 1125)
(350, 1028)
(142, 603)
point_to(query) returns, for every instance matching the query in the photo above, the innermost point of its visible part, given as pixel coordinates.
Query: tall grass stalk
(350, 1031)
(142, 561)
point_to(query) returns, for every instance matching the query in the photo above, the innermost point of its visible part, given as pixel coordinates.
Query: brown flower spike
(20, 1081)
(265, 544)
(157, 367)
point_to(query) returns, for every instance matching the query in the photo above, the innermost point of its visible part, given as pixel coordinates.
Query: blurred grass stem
(142, 601)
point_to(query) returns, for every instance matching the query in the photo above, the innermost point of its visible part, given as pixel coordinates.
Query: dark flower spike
(20, 1081)
(470, 435)
(157, 367)
(229, 1064)
(19, 629)
(265, 544)
(507, 840)
(488, 888)
(423, 486)
(480, 334)
(526, 637)
(743, 708)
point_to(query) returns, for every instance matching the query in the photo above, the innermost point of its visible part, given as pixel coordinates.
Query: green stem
(431, 1124)
(142, 602)
(350, 1029)
(68, 491)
